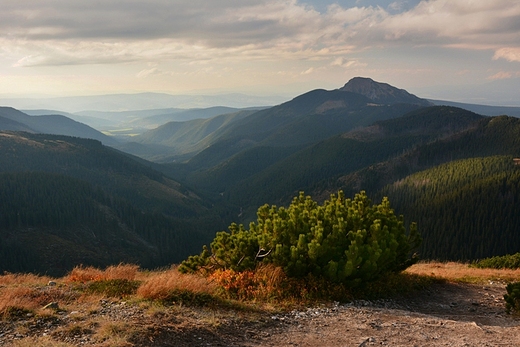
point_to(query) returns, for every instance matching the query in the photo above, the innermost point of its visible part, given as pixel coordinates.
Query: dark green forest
(50, 221)
(466, 209)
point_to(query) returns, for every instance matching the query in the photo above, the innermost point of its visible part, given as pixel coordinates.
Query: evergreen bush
(508, 261)
(343, 241)
(512, 297)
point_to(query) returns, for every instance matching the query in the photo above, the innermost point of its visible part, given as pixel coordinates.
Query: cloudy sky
(461, 50)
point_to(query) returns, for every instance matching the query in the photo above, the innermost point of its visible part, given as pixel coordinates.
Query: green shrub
(512, 297)
(500, 262)
(114, 287)
(346, 241)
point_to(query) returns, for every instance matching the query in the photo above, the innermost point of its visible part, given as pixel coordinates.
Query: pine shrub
(508, 261)
(346, 241)
(512, 297)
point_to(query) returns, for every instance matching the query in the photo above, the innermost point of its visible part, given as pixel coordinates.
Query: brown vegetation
(460, 272)
(111, 314)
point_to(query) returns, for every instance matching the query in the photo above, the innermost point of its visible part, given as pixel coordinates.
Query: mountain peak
(382, 93)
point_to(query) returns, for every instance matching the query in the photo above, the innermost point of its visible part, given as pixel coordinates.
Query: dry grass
(10, 279)
(43, 341)
(452, 271)
(89, 273)
(22, 294)
(161, 285)
(259, 284)
(114, 334)
(16, 298)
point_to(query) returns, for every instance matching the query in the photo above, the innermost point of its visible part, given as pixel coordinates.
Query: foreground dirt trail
(445, 315)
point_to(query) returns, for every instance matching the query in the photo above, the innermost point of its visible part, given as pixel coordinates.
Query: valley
(188, 173)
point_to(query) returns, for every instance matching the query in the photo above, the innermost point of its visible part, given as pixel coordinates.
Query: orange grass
(463, 272)
(31, 298)
(160, 285)
(9, 279)
(266, 282)
(16, 297)
(116, 272)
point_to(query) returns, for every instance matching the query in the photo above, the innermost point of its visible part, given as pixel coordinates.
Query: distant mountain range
(12, 119)
(308, 118)
(448, 168)
(140, 101)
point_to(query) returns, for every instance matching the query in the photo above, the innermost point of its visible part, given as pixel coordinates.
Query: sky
(458, 50)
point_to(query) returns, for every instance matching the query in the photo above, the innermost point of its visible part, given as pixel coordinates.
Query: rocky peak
(382, 93)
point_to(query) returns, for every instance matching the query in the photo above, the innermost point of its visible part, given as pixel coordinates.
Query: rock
(52, 306)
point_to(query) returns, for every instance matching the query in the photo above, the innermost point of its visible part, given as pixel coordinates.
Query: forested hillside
(67, 201)
(176, 139)
(48, 222)
(466, 209)
(487, 136)
(89, 160)
(271, 177)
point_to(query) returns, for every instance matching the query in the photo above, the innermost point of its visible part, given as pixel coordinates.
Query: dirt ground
(447, 314)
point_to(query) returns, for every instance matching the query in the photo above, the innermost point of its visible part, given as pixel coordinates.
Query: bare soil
(446, 314)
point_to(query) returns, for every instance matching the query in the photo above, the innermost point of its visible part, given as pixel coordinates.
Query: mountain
(190, 114)
(49, 222)
(49, 124)
(462, 189)
(449, 169)
(513, 111)
(302, 121)
(175, 140)
(88, 188)
(308, 167)
(389, 158)
(382, 93)
(99, 123)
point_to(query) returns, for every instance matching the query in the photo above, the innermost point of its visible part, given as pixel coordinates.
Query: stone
(52, 306)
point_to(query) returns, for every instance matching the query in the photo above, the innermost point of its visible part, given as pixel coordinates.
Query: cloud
(64, 32)
(149, 72)
(508, 53)
(452, 22)
(345, 63)
(503, 75)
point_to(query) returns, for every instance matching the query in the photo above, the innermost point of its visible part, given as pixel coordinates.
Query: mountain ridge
(382, 93)
(52, 124)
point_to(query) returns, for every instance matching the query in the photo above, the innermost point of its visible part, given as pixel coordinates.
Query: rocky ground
(448, 314)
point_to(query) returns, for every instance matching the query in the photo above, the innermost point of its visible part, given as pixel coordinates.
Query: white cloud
(345, 63)
(47, 32)
(508, 53)
(148, 72)
(220, 42)
(504, 75)
(473, 23)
